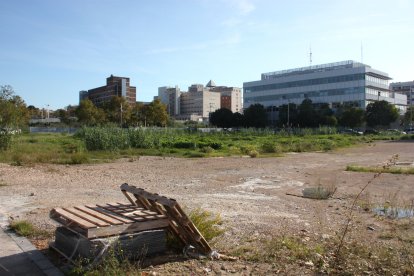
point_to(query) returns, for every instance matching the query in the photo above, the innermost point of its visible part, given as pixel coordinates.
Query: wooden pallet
(94, 221)
(179, 223)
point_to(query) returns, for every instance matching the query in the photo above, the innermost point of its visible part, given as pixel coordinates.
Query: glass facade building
(342, 83)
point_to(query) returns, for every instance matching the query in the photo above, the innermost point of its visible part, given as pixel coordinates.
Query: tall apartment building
(200, 100)
(406, 88)
(115, 86)
(342, 83)
(170, 96)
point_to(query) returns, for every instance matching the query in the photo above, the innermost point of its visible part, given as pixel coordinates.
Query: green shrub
(78, 158)
(247, 148)
(253, 153)
(184, 145)
(271, 147)
(207, 149)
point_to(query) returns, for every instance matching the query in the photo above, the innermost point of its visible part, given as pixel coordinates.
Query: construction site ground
(249, 193)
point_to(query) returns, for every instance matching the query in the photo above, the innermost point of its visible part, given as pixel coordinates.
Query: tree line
(120, 112)
(307, 114)
(15, 114)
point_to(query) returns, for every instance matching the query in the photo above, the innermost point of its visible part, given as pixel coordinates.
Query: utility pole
(121, 114)
(411, 107)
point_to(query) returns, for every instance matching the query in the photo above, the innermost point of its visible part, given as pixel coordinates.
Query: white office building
(342, 83)
(406, 88)
(200, 100)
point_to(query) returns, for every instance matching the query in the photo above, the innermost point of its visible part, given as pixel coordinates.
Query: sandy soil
(249, 193)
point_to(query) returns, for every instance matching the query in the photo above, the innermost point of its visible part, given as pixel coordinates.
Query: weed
(349, 219)
(3, 184)
(209, 224)
(26, 229)
(113, 263)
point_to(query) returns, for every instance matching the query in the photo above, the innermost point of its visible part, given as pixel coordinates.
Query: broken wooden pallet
(179, 223)
(94, 221)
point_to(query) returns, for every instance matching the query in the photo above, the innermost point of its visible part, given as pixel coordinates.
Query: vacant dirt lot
(249, 193)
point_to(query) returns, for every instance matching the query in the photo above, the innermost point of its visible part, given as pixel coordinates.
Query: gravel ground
(249, 193)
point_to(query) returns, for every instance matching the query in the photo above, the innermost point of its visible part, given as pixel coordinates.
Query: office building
(200, 100)
(406, 88)
(115, 87)
(346, 83)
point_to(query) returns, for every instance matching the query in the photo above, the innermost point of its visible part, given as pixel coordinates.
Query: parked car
(371, 132)
(396, 131)
(409, 130)
(350, 131)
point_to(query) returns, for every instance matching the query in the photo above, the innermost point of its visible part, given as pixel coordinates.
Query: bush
(184, 145)
(271, 147)
(253, 153)
(78, 158)
(207, 149)
(5, 140)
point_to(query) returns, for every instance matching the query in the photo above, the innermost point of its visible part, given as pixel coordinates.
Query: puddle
(394, 213)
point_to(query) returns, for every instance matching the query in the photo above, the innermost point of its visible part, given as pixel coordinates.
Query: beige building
(200, 100)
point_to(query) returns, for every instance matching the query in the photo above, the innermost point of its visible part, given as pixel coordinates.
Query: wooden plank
(141, 192)
(99, 209)
(133, 212)
(79, 221)
(99, 215)
(87, 217)
(127, 228)
(128, 197)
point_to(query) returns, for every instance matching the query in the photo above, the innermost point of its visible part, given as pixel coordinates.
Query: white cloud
(243, 6)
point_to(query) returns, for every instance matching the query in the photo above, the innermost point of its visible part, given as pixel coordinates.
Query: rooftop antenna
(310, 55)
(362, 54)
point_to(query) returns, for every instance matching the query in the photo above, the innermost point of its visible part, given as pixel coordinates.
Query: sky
(52, 49)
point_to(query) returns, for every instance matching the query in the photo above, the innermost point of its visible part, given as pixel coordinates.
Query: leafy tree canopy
(380, 113)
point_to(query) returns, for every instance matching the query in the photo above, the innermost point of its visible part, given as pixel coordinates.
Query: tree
(157, 113)
(89, 114)
(351, 117)
(409, 116)
(255, 116)
(152, 114)
(13, 110)
(237, 120)
(308, 116)
(380, 113)
(222, 117)
(118, 110)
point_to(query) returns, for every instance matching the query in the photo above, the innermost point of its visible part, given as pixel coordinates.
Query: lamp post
(288, 115)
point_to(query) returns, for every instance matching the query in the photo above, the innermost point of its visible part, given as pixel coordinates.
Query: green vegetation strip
(99, 144)
(393, 170)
